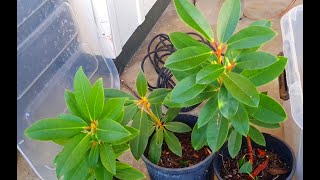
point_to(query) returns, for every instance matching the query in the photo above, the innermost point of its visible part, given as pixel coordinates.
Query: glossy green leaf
(96, 99)
(157, 110)
(141, 84)
(187, 58)
(112, 108)
(120, 149)
(262, 76)
(266, 23)
(129, 112)
(79, 172)
(268, 111)
(93, 157)
(157, 96)
(111, 131)
(134, 132)
(240, 121)
(178, 127)
(156, 146)
(209, 111)
(234, 54)
(256, 136)
(228, 19)
(120, 117)
(265, 125)
(179, 75)
(139, 143)
(186, 90)
(194, 18)
(227, 104)
(54, 129)
(234, 143)
(170, 114)
(71, 103)
(251, 36)
(246, 168)
(217, 131)
(82, 89)
(61, 142)
(182, 40)
(198, 137)
(102, 174)
(69, 157)
(127, 172)
(108, 157)
(241, 89)
(255, 60)
(173, 143)
(116, 93)
(209, 74)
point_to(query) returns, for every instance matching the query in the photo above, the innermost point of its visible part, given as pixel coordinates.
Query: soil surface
(277, 168)
(189, 156)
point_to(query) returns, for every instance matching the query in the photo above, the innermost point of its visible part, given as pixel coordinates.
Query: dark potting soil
(277, 168)
(189, 157)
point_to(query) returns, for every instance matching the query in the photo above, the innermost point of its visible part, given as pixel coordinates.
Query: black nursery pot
(273, 144)
(202, 170)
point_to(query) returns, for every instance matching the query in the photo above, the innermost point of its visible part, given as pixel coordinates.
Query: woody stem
(154, 117)
(250, 149)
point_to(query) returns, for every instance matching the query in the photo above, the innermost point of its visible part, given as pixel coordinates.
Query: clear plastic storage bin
(54, 40)
(292, 30)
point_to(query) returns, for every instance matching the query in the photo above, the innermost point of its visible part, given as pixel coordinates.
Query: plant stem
(258, 169)
(250, 149)
(154, 117)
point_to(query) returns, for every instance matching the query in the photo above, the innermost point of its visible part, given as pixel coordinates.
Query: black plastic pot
(202, 170)
(273, 144)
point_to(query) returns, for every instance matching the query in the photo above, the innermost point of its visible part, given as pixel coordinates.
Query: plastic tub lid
(292, 34)
(51, 47)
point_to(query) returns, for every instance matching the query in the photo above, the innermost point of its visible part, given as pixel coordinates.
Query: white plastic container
(52, 43)
(292, 30)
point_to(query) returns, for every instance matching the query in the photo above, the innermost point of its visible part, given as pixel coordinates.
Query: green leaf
(179, 75)
(54, 129)
(93, 157)
(234, 54)
(234, 143)
(240, 121)
(170, 114)
(246, 168)
(127, 172)
(157, 96)
(120, 117)
(227, 104)
(194, 18)
(157, 110)
(209, 111)
(71, 103)
(61, 142)
(82, 89)
(228, 19)
(110, 93)
(255, 60)
(187, 58)
(208, 92)
(139, 143)
(129, 112)
(112, 108)
(241, 89)
(265, 125)
(209, 74)
(217, 131)
(266, 23)
(120, 149)
(178, 127)
(79, 172)
(141, 84)
(156, 146)
(182, 40)
(268, 111)
(256, 136)
(134, 132)
(102, 174)
(251, 36)
(108, 157)
(262, 76)
(69, 157)
(96, 99)
(198, 137)
(186, 90)
(111, 131)
(173, 143)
